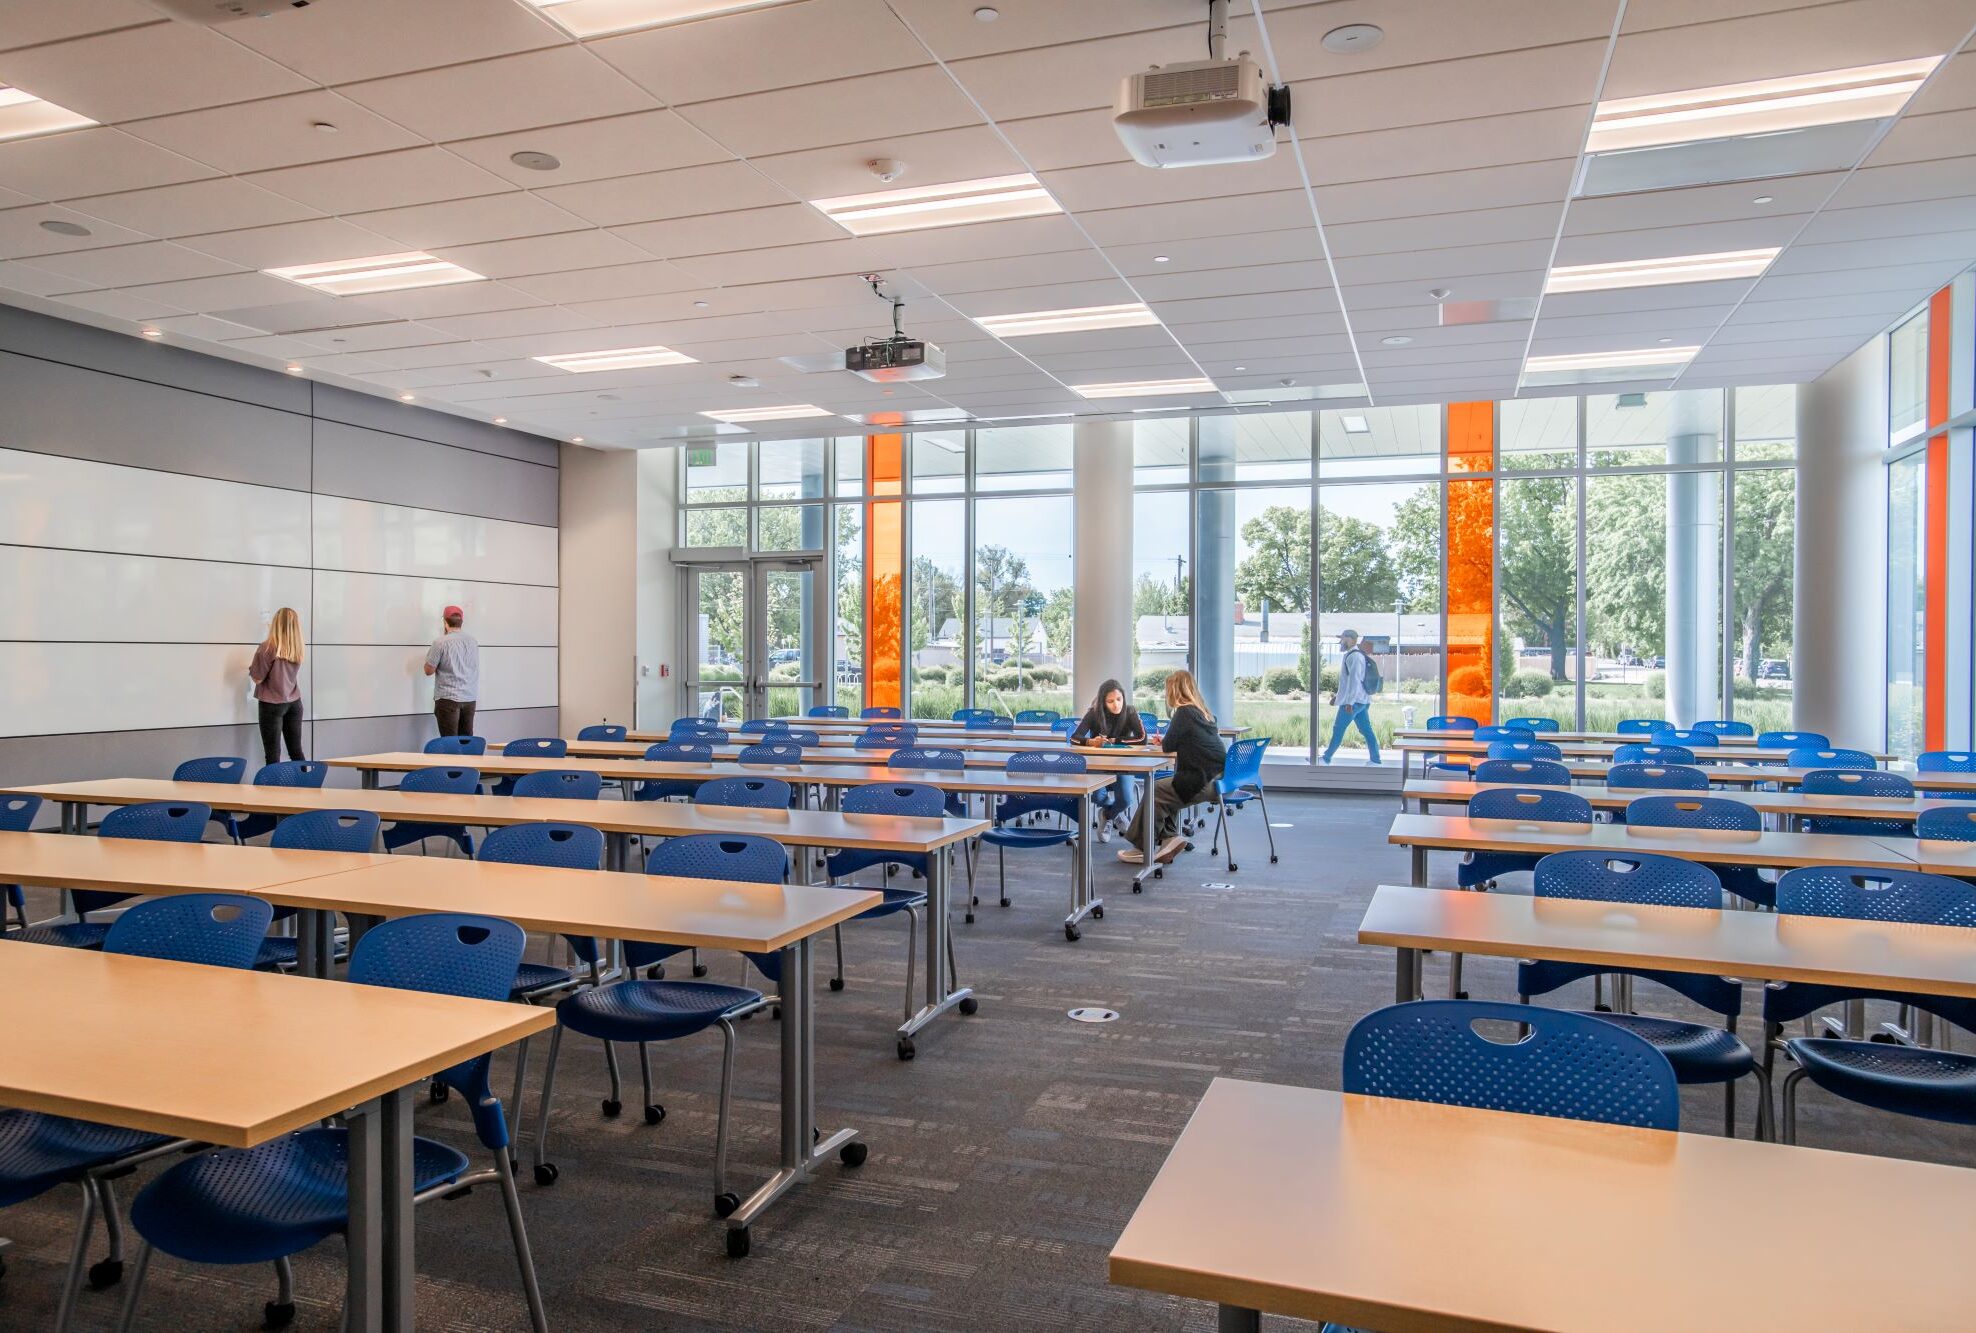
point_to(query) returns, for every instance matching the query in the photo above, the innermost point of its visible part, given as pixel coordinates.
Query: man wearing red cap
(454, 663)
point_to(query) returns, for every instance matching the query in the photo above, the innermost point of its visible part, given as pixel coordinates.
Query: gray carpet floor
(1004, 1160)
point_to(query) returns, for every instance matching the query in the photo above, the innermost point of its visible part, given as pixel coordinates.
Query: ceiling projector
(1201, 112)
(897, 358)
(208, 12)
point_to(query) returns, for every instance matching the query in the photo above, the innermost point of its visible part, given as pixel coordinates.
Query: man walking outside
(453, 662)
(1356, 677)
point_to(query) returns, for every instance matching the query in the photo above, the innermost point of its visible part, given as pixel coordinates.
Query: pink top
(274, 677)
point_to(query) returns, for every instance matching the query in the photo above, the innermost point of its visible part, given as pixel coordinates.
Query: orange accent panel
(1471, 547)
(1471, 437)
(1940, 321)
(885, 571)
(1935, 517)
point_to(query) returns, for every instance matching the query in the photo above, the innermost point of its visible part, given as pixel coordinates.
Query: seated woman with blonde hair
(1195, 744)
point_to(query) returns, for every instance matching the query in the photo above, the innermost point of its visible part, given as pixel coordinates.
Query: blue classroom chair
(1689, 738)
(1240, 782)
(307, 773)
(882, 712)
(571, 784)
(828, 710)
(456, 747)
(760, 726)
(1829, 758)
(1006, 833)
(1039, 716)
(1640, 726)
(1946, 761)
(215, 768)
(1542, 804)
(1063, 726)
(751, 793)
(1535, 724)
(1858, 782)
(1699, 1052)
(266, 1204)
(1793, 740)
(1524, 772)
(1725, 727)
(910, 799)
(1490, 735)
(673, 752)
(448, 780)
(1702, 811)
(1524, 750)
(529, 747)
(314, 831)
(1451, 722)
(152, 821)
(886, 735)
(1946, 825)
(973, 715)
(1653, 752)
(40, 1151)
(1674, 777)
(603, 731)
(991, 723)
(16, 816)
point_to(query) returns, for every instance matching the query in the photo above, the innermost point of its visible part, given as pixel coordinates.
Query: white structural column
(1840, 626)
(599, 533)
(1215, 553)
(658, 646)
(1102, 546)
(1694, 559)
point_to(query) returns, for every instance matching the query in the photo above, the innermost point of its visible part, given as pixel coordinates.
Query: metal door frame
(754, 684)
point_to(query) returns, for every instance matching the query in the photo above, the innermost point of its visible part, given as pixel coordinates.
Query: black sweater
(1099, 725)
(1195, 744)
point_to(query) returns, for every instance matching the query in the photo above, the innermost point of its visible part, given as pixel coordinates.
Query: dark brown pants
(455, 718)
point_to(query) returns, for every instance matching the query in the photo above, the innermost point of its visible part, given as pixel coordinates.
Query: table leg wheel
(438, 1092)
(969, 918)
(1005, 902)
(969, 1005)
(1463, 995)
(654, 1114)
(837, 983)
(737, 1243)
(906, 1048)
(1071, 932)
(725, 1204)
(277, 1314)
(1098, 913)
(853, 1155)
(105, 1273)
(1597, 1008)
(612, 1107)
(699, 969)
(1137, 887)
(974, 901)
(546, 1173)
(656, 972)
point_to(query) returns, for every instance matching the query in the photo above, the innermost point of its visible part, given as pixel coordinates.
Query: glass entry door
(755, 638)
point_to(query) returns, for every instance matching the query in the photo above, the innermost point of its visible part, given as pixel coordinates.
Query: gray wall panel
(372, 735)
(333, 403)
(53, 408)
(118, 754)
(51, 339)
(365, 464)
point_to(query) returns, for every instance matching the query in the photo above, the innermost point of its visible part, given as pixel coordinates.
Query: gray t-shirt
(455, 660)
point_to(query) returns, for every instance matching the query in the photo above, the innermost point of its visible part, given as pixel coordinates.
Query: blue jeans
(1349, 714)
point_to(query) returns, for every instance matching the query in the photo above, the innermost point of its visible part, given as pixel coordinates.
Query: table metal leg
(801, 1152)
(1235, 1319)
(400, 1271)
(1083, 902)
(617, 851)
(1406, 980)
(363, 1292)
(941, 993)
(1148, 834)
(367, 778)
(1417, 862)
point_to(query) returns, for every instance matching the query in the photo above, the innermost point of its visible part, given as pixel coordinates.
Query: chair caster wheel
(1884, 1038)
(725, 1204)
(1232, 867)
(906, 1048)
(1272, 858)
(1005, 902)
(853, 1155)
(837, 983)
(1159, 872)
(438, 1092)
(1190, 846)
(1072, 933)
(974, 901)
(969, 918)
(1098, 914)
(699, 969)
(277, 1314)
(612, 1107)
(737, 1243)
(1463, 995)
(969, 1005)
(654, 1114)
(546, 1173)
(109, 1272)
(656, 972)
(1602, 1008)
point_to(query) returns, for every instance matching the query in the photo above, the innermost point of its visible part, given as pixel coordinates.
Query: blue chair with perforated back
(802, 736)
(686, 728)
(603, 731)
(1688, 738)
(1524, 772)
(1793, 740)
(529, 747)
(1946, 761)
(1011, 829)
(1063, 726)
(886, 736)
(643, 1011)
(1946, 824)
(566, 784)
(1240, 782)
(912, 800)
(444, 780)
(1451, 722)
(266, 1204)
(1699, 1052)
(223, 768)
(1830, 758)
(40, 1151)
(1533, 724)
(1652, 752)
(1524, 750)
(307, 773)
(314, 831)
(761, 726)
(673, 752)
(456, 747)
(884, 712)
(991, 724)
(1490, 735)
(748, 792)
(1149, 720)
(973, 715)
(1041, 717)
(16, 816)
(1672, 777)
(1719, 813)
(1640, 726)
(1562, 1064)
(778, 752)
(1871, 783)
(1722, 726)
(1906, 1080)
(828, 710)
(1540, 804)
(941, 758)
(151, 821)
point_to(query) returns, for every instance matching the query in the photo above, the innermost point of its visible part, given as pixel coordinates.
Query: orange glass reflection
(1471, 548)
(885, 571)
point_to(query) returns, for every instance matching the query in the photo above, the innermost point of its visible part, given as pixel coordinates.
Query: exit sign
(699, 458)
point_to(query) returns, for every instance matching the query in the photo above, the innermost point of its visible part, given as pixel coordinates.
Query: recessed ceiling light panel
(1660, 272)
(1766, 106)
(23, 115)
(379, 273)
(621, 358)
(1355, 425)
(1647, 363)
(1083, 319)
(1143, 388)
(787, 412)
(594, 18)
(992, 199)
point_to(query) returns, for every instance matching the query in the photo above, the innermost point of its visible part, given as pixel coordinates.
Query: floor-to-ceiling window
(1907, 572)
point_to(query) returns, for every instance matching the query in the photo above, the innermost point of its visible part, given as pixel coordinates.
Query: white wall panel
(373, 682)
(50, 688)
(87, 596)
(390, 608)
(50, 500)
(397, 539)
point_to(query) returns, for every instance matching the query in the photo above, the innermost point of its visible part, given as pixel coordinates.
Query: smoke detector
(744, 381)
(887, 169)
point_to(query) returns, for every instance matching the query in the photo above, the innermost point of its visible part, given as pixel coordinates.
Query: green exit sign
(699, 458)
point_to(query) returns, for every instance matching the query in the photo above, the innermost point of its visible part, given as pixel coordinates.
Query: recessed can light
(1764, 199)
(323, 127)
(1439, 293)
(63, 227)
(986, 14)
(1663, 340)
(530, 160)
(404, 398)
(1241, 367)
(701, 305)
(1353, 38)
(576, 439)
(153, 333)
(295, 370)
(500, 421)
(1396, 340)
(1162, 259)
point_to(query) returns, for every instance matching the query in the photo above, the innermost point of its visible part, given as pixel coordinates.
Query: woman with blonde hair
(273, 671)
(1195, 744)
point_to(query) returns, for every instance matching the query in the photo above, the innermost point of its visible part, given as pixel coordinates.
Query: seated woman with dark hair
(1111, 720)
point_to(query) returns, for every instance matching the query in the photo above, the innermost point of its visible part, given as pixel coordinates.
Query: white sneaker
(1105, 831)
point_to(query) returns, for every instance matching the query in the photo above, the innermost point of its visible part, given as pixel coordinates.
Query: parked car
(1772, 669)
(781, 655)
(1660, 664)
